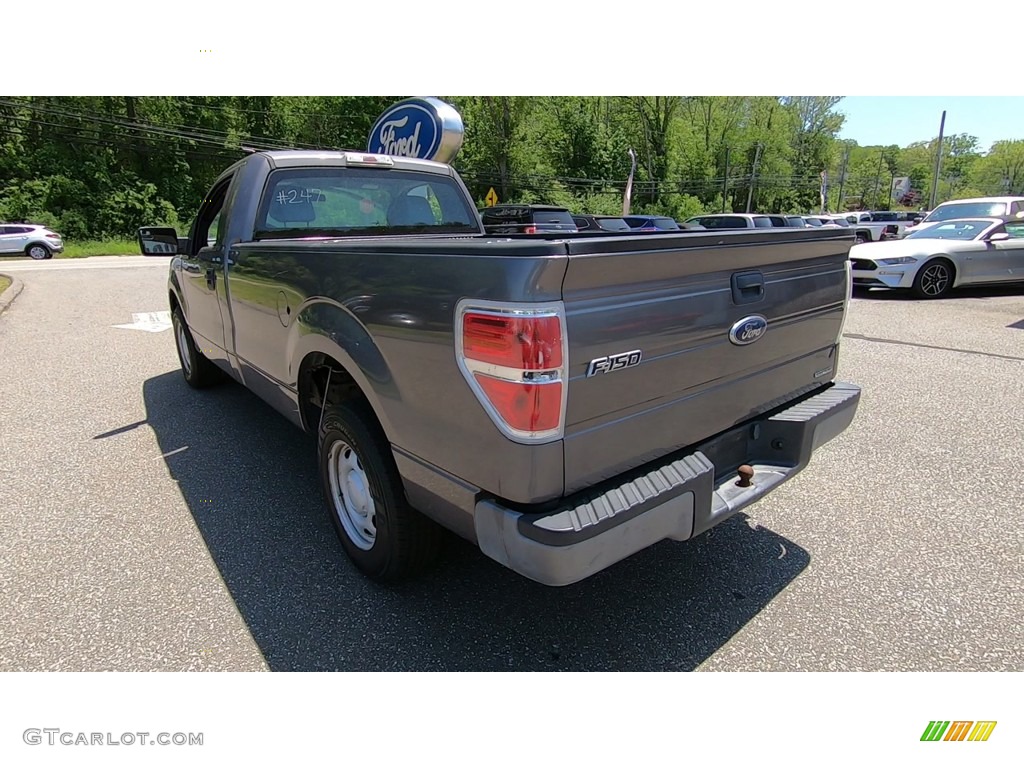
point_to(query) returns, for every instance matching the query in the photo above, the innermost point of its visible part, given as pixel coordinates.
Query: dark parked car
(651, 223)
(588, 223)
(527, 219)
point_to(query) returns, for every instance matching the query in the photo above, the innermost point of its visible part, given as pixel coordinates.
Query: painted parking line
(152, 322)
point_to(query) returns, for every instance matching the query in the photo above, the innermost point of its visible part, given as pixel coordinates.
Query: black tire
(38, 251)
(934, 279)
(392, 541)
(860, 237)
(198, 371)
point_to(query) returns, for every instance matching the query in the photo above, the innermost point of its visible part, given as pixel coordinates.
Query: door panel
(203, 279)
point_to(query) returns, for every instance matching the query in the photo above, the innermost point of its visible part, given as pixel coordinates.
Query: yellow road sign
(492, 197)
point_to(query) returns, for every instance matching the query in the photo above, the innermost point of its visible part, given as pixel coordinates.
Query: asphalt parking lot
(144, 526)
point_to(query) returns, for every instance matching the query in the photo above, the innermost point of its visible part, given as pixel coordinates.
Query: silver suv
(33, 240)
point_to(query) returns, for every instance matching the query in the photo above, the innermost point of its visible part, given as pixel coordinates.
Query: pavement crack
(876, 340)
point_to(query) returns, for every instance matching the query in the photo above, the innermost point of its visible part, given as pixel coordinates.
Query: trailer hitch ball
(746, 473)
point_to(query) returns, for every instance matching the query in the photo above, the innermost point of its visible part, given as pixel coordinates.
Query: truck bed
(669, 295)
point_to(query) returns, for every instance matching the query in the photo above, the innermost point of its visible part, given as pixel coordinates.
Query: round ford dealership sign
(428, 129)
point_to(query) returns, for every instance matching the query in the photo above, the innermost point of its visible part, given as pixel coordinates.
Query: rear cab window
(555, 217)
(310, 202)
(613, 225)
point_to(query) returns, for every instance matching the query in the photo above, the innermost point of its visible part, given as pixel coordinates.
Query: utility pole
(842, 180)
(878, 177)
(725, 180)
(627, 195)
(938, 164)
(753, 176)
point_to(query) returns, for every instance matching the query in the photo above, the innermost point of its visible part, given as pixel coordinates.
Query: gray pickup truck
(561, 401)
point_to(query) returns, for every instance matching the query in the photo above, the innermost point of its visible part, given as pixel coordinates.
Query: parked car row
(864, 232)
(531, 219)
(868, 226)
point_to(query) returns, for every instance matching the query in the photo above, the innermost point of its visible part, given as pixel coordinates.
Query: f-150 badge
(614, 362)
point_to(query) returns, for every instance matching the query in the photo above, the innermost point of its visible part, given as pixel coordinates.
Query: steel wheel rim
(37, 252)
(350, 495)
(935, 279)
(186, 360)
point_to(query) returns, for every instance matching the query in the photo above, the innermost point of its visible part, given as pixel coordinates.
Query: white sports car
(935, 258)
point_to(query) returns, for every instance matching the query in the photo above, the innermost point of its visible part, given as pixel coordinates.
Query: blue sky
(903, 120)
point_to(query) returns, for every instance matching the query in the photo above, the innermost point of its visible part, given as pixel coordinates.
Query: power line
(233, 108)
(174, 130)
(68, 135)
(140, 141)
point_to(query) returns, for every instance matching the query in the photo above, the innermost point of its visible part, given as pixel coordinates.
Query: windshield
(953, 230)
(948, 211)
(308, 202)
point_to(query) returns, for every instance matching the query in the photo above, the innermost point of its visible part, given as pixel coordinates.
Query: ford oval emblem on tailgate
(748, 330)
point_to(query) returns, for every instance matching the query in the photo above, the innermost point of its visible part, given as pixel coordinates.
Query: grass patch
(5, 283)
(84, 249)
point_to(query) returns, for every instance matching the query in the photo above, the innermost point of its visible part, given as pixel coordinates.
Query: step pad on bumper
(682, 498)
(629, 499)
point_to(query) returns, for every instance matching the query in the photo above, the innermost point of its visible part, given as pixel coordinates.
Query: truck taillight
(513, 357)
(531, 230)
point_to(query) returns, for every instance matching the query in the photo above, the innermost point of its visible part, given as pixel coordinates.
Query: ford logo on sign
(428, 129)
(748, 330)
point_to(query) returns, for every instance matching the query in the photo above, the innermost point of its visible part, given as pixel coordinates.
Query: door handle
(747, 287)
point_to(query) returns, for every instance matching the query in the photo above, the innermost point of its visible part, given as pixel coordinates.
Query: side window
(762, 222)
(212, 235)
(207, 227)
(1015, 229)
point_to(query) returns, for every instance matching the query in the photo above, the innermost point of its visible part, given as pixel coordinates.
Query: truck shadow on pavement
(249, 479)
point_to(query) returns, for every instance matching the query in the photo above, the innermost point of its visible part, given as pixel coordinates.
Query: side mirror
(159, 241)
(998, 236)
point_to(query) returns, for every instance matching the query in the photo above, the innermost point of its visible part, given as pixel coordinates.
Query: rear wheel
(934, 280)
(383, 536)
(862, 238)
(38, 251)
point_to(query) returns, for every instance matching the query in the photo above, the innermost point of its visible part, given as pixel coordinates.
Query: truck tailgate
(676, 300)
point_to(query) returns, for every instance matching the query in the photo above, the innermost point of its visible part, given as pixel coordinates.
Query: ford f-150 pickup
(563, 401)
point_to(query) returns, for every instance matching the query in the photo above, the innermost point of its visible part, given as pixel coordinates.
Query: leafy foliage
(101, 166)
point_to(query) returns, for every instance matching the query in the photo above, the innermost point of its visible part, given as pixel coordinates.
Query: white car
(974, 207)
(32, 240)
(935, 258)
